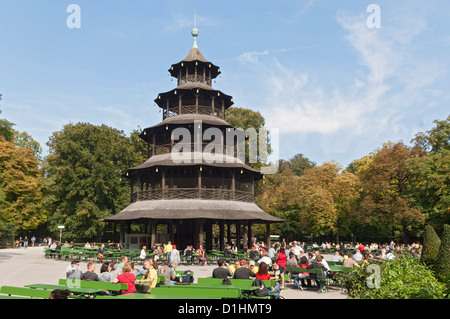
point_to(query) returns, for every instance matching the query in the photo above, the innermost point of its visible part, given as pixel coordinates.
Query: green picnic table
(75, 290)
(151, 296)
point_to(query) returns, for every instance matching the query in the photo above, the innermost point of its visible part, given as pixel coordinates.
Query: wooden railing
(191, 109)
(192, 193)
(189, 147)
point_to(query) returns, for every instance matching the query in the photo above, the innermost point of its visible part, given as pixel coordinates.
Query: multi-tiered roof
(164, 189)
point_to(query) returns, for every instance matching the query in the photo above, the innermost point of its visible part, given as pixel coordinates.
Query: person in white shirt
(357, 256)
(337, 257)
(266, 259)
(297, 250)
(143, 252)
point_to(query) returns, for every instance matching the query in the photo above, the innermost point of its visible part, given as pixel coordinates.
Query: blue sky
(335, 88)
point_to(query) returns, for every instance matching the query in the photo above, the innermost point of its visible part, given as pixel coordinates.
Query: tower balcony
(193, 109)
(193, 193)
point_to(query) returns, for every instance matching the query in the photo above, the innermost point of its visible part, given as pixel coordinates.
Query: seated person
(243, 272)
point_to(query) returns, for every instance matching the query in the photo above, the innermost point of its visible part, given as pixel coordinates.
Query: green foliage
(20, 186)
(402, 278)
(443, 258)
(431, 244)
(246, 119)
(7, 232)
(84, 184)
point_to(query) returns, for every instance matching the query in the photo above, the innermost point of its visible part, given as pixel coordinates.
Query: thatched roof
(193, 209)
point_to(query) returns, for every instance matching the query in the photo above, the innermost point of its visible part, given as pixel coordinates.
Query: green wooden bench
(93, 284)
(237, 282)
(25, 292)
(323, 282)
(231, 293)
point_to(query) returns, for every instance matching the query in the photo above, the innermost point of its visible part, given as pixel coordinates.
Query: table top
(150, 296)
(242, 287)
(72, 289)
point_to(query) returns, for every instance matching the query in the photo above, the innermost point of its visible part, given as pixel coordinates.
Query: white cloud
(390, 81)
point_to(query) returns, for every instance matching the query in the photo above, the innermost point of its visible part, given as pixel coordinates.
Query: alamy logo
(233, 146)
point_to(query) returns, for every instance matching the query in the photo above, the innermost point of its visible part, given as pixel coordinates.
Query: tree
(385, 204)
(431, 244)
(84, 184)
(430, 175)
(443, 258)
(318, 201)
(298, 164)
(246, 119)
(20, 186)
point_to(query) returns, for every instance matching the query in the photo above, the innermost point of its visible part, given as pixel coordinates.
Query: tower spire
(194, 31)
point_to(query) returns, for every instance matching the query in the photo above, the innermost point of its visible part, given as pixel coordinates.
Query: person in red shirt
(263, 271)
(301, 276)
(361, 247)
(282, 258)
(127, 277)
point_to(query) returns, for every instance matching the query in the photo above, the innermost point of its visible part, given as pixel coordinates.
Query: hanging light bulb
(156, 170)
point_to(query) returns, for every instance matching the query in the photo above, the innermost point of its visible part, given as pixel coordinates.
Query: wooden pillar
(132, 187)
(199, 183)
(245, 235)
(196, 103)
(179, 104)
(167, 107)
(250, 235)
(209, 237)
(223, 109)
(238, 235)
(212, 104)
(268, 234)
(253, 187)
(233, 185)
(154, 144)
(138, 191)
(122, 233)
(153, 233)
(163, 183)
(200, 232)
(221, 235)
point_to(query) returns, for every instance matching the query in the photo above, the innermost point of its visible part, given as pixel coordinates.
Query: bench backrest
(340, 268)
(93, 284)
(237, 282)
(28, 292)
(197, 292)
(308, 270)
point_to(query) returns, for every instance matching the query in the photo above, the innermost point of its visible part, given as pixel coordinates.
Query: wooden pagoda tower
(192, 196)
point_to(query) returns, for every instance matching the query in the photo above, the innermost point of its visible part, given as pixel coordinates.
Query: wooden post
(238, 235)
(221, 234)
(154, 144)
(196, 103)
(268, 234)
(199, 183)
(163, 183)
(250, 239)
(209, 238)
(212, 104)
(245, 235)
(153, 234)
(233, 185)
(138, 191)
